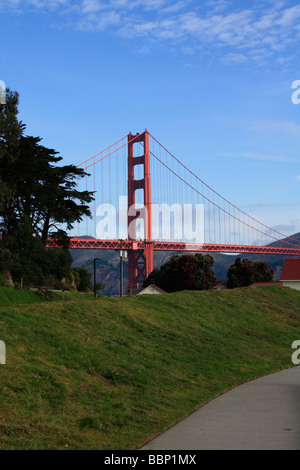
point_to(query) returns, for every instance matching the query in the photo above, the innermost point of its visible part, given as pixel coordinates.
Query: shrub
(244, 272)
(45, 293)
(187, 272)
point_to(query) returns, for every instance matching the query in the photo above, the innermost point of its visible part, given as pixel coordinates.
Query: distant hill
(295, 241)
(108, 268)
(276, 261)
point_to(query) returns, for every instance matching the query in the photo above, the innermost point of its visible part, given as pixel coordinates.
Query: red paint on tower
(140, 261)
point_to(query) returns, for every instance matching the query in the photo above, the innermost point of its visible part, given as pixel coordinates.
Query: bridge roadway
(93, 244)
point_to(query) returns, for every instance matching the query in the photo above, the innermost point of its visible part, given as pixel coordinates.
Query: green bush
(45, 293)
(82, 279)
(2, 280)
(244, 272)
(186, 272)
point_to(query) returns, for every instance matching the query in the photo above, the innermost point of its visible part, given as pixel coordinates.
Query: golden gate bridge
(140, 170)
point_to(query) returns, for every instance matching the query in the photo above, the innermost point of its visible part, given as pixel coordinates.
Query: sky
(211, 80)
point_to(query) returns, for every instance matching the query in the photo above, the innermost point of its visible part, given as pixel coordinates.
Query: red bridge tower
(140, 261)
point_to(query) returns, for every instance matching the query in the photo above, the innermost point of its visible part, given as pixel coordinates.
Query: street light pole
(203, 272)
(121, 274)
(123, 257)
(95, 290)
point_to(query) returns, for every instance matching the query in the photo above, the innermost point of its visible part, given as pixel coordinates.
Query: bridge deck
(94, 244)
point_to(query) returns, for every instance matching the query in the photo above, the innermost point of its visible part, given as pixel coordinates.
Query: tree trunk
(45, 230)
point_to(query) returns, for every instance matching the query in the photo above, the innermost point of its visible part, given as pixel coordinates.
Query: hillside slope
(111, 373)
(11, 297)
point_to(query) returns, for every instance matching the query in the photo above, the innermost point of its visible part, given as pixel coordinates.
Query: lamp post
(95, 290)
(123, 258)
(203, 272)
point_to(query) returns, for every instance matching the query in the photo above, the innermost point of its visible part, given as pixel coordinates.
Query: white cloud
(91, 6)
(259, 156)
(175, 7)
(98, 22)
(218, 5)
(235, 58)
(282, 127)
(289, 17)
(286, 228)
(298, 178)
(19, 5)
(250, 33)
(256, 32)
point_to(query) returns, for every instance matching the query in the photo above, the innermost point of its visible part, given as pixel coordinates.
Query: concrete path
(261, 415)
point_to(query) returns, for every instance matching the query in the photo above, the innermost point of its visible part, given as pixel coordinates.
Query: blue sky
(212, 80)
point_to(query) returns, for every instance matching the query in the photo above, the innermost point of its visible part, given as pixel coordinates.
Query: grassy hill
(12, 297)
(111, 373)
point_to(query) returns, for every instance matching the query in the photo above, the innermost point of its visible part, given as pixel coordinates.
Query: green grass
(10, 297)
(111, 373)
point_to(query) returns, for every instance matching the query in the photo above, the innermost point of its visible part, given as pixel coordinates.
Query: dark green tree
(11, 130)
(187, 272)
(244, 272)
(43, 194)
(83, 280)
(37, 195)
(6, 259)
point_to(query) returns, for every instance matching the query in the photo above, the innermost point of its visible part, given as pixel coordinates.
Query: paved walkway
(260, 415)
